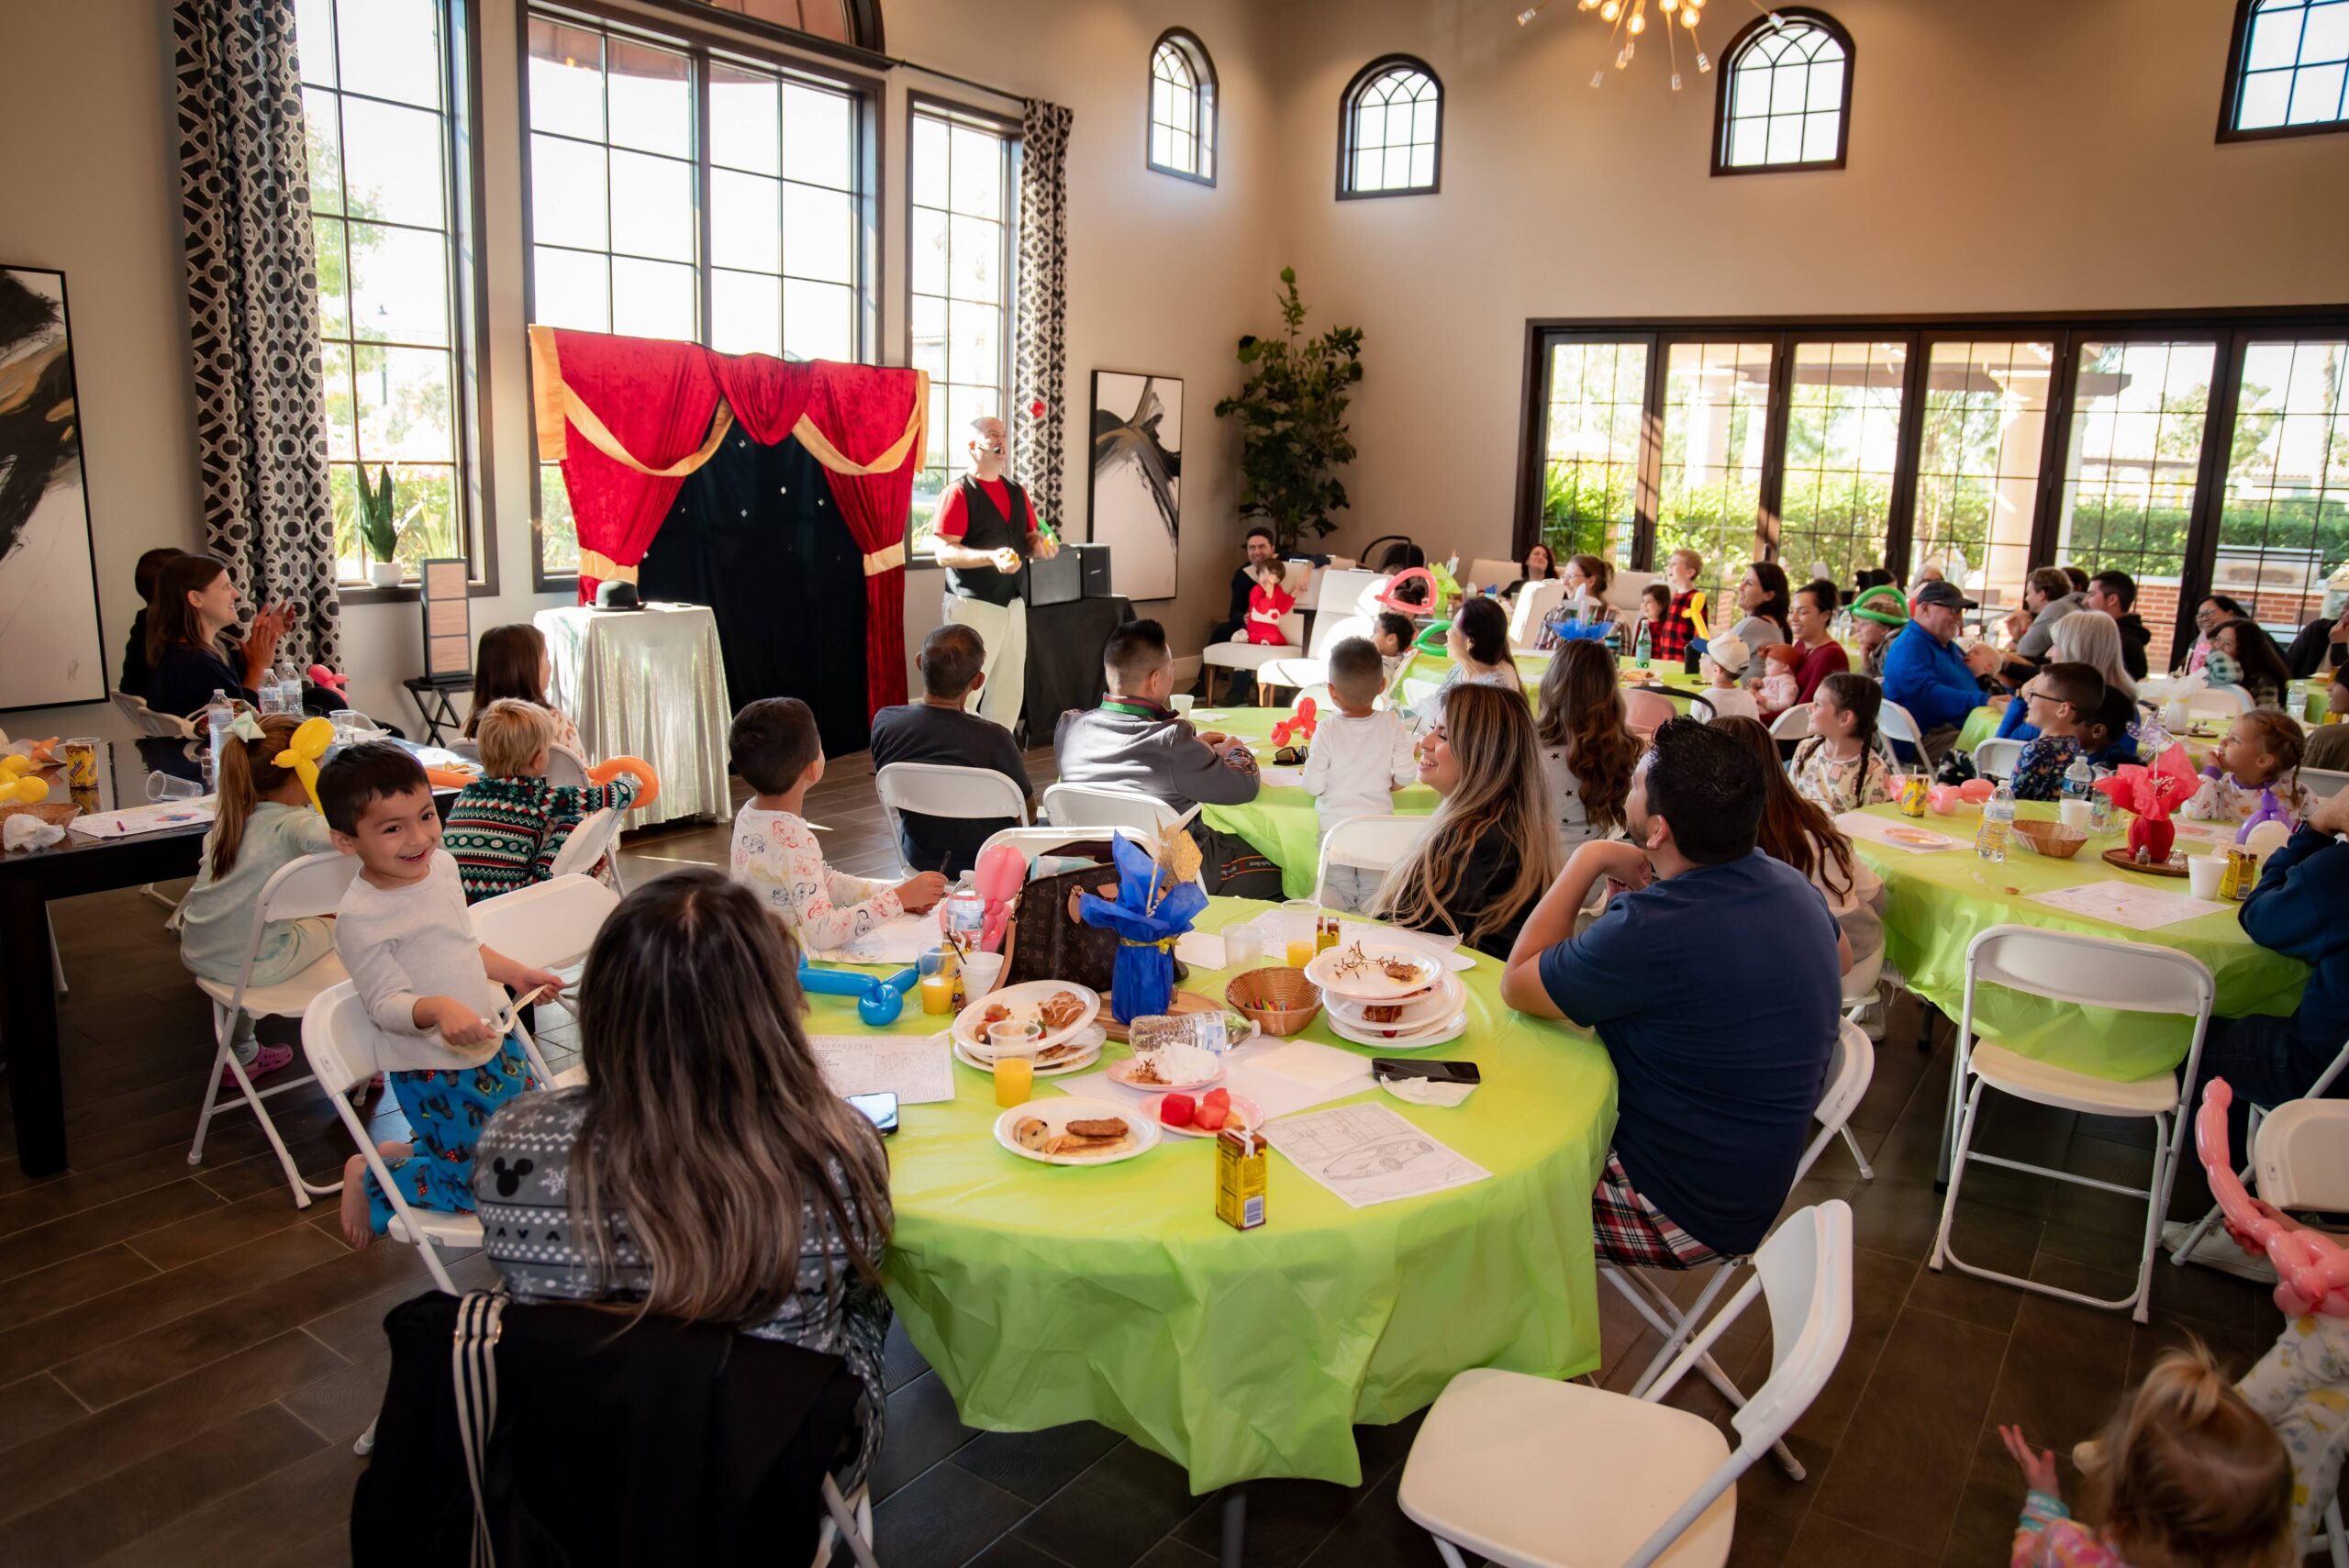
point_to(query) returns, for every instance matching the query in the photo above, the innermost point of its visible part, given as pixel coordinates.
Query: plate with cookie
(1373, 970)
(1074, 1054)
(1068, 1130)
(1060, 1009)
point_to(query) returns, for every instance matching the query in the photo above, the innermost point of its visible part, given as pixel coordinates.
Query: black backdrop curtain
(754, 536)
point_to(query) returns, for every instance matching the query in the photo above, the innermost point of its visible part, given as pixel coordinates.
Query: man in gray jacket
(1133, 741)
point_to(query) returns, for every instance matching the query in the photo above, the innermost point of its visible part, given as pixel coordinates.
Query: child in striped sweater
(508, 825)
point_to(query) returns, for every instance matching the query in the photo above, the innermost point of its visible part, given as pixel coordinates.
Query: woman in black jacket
(187, 643)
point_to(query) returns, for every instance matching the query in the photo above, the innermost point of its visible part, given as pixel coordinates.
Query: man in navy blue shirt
(1715, 984)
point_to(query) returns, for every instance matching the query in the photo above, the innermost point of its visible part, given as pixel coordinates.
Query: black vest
(983, 528)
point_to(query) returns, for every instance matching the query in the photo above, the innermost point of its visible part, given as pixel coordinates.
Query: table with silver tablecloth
(648, 683)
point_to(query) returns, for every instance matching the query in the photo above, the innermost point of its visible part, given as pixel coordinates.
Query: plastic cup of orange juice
(1015, 1080)
(937, 985)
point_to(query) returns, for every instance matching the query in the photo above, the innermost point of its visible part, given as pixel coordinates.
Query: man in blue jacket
(1924, 672)
(2301, 908)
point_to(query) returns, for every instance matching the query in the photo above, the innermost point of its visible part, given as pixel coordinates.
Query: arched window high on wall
(1784, 100)
(1390, 129)
(1182, 108)
(2287, 69)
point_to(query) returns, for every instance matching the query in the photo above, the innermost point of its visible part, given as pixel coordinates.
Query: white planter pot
(384, 574)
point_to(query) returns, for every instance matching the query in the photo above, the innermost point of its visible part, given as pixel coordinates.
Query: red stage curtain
(657, 398)
(863, 413)
(767, 395)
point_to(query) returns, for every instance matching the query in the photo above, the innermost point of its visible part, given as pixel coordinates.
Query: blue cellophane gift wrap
(1143, 982)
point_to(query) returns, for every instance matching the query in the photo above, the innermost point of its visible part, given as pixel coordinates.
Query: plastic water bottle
(1640, 648)
(289, 690)
(1215, 1032)
(966, 914)
(1997, 823)
(2077, 779)
(218, 716)
(1842, 629)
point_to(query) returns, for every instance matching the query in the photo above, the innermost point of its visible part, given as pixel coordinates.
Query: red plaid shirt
(1669, 640)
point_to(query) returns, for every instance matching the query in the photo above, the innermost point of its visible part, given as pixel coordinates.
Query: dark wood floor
(185, 1358)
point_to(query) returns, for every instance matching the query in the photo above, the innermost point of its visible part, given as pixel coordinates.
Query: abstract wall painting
(49, 648)
(1135, 502)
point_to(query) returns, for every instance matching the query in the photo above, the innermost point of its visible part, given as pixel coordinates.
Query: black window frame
(2231, 89)
(1350, 102)
(1205, 96)
(2233, 329)
(1726, 85)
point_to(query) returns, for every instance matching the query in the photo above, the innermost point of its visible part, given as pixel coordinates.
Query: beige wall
(2006, 155)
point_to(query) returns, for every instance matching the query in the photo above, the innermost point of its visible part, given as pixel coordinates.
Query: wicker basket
(2053, 840)
(56, 813)
(1281, 1001)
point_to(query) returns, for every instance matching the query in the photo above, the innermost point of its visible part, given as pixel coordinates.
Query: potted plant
(380, 532)
(1292, 414)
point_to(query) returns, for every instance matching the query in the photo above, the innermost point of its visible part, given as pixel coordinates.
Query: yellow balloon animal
(309, 743)
(19, 785)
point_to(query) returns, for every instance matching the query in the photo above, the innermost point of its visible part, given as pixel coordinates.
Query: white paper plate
(1420, 1012)
(1141, 1133)
(1374, 987)
(1443, 1033)
(1122, 1072)
(1078, 1063)
(1245, 1112)
(1023, 1000)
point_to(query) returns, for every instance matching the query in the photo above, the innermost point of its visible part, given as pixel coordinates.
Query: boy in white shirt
(1723, 664)
(1360, 757)
(429, 984)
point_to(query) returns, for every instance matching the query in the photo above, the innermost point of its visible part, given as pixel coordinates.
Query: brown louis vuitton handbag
(1045, 940)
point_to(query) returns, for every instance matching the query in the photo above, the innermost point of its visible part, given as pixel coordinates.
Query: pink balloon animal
(1001, 872)
(1404, 606)
(2311, 1270)
(338, 685)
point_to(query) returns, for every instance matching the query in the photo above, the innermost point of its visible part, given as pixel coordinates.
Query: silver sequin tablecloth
(646, 684)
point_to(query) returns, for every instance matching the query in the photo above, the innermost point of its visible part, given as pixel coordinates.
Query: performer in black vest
(986, 530)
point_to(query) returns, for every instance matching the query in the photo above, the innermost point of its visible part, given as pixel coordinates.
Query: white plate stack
(1371, 1005)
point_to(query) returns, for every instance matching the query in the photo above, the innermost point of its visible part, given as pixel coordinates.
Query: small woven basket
(56, 813)
(1281, 1001)
(2053, 840)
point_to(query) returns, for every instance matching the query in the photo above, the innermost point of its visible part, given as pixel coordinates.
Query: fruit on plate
(1220, 1098)
(1210, 1118)
(1176, 1110)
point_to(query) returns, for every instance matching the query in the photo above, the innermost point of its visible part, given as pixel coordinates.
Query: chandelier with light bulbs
(1629, 18)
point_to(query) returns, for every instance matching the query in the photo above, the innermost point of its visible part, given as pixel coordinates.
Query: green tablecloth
(1939, 903)
(1979, 726)
(1044, 1294)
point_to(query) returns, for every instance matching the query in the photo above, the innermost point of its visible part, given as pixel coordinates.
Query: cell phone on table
(1435, 1071)
(880, 1110)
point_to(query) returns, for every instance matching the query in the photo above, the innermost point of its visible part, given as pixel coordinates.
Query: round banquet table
(1280, 822)
(1044, 1294)
(1937, 903)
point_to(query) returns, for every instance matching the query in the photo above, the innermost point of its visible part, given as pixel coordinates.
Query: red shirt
(1817, 663)
(1673, 634)
(952, 524)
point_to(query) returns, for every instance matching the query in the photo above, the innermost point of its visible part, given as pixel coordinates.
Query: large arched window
(1785, 95)
(2288, 72)
(1390, 129)
(1182, 108)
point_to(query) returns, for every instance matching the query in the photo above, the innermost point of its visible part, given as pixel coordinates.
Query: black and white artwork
(1136, 501)
(49, 594)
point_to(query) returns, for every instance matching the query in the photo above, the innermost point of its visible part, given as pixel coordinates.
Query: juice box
(1241, 1159)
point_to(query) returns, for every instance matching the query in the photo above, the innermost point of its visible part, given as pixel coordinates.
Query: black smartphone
(880, 1110)
(1439, 1071)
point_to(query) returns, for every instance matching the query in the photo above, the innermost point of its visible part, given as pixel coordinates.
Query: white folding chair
(1850, 1066)
(1536, 1473)
(2220, 701)
(2255, 1114)
(147, 722)
(1534, 603)
(2082, 972)
(1032, 841)
(2322, 782)
(595, 836)
(547, 925)
(1109, 806)
(565, 770)
(302, 889)
(939, 789)
(1792, 725)
(1486, 572)
(1291, 674)
(470, 751)
(1895, 723)
(1333, 625)
(1859, 994)
(1624, 588)
(1367, 844)
(1996, 758)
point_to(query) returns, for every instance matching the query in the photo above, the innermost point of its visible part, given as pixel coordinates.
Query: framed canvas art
(1135, 502)
(49, 583)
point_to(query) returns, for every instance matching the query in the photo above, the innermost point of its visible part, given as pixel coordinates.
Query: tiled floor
(185, 1357)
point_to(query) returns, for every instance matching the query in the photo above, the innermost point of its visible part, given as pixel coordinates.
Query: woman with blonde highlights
(1587, 748)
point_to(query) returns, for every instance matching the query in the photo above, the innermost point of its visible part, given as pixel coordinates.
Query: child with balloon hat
(264, 823)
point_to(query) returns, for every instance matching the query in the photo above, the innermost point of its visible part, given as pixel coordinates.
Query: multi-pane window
(2291, 67)
(1984, 436)
(1716, 431)
(962, 292)
(1843, 445)
(1785, 95)
(2284, 518)
(377, 105)
(625, 130)
(1390, 132)
(1590, 464)
(1182, 108)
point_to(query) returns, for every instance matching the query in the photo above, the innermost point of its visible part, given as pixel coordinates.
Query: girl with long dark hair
(1587, 748)
(511, 662)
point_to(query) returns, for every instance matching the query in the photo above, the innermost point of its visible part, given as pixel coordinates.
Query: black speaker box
(1058, 581)
(1093, 565)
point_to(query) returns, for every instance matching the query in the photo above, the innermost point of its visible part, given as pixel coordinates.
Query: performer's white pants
(1004, 629)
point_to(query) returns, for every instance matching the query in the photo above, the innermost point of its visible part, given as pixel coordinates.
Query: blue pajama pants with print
(445, 1108)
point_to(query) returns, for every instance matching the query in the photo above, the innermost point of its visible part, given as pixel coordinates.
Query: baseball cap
(1941, 592)
(1730, 652)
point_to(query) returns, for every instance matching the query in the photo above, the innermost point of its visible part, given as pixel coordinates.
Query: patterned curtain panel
(1038, 341)
(252, 301)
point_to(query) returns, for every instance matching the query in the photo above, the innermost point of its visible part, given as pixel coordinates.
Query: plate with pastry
(1372, 971)
(1059, 1009)
(1442, 1032)
(1074, 1054)
(1067, 1130)
(1401, 1015)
